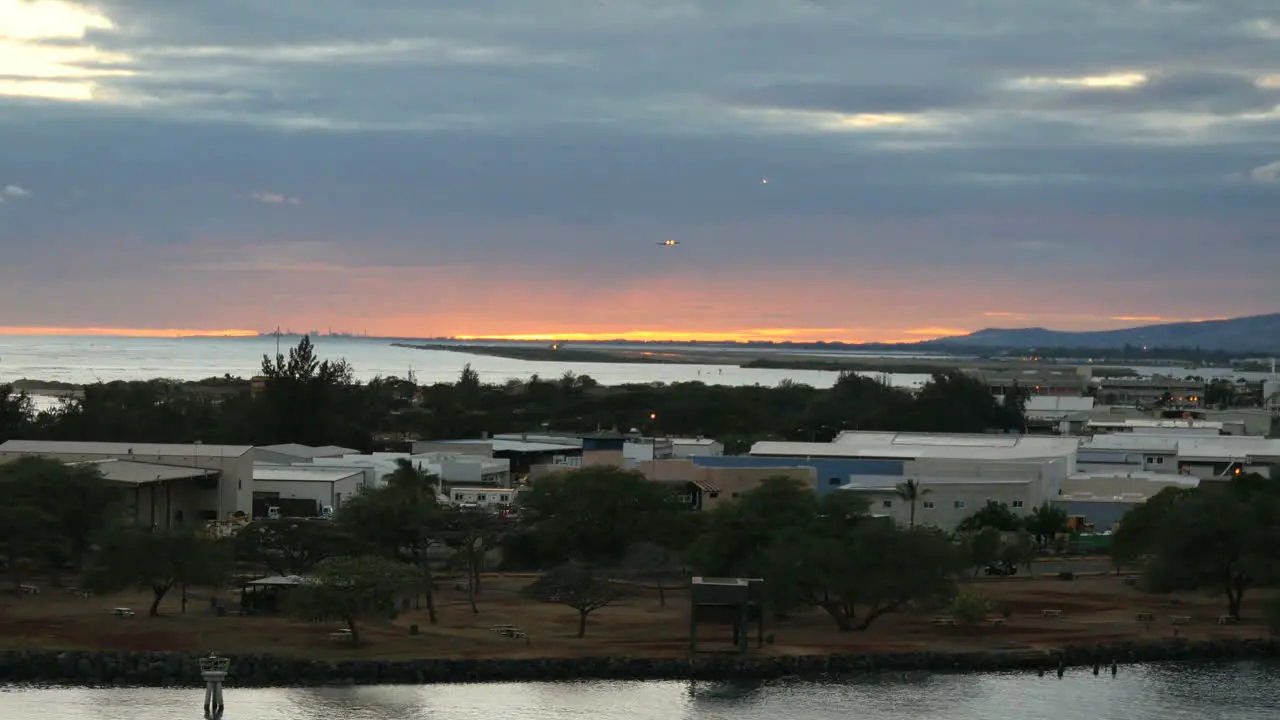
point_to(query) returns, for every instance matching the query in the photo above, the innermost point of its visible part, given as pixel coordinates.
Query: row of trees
(313, 401)
(594, 533)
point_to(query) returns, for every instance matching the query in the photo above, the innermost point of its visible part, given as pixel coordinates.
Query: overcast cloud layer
(508, 167)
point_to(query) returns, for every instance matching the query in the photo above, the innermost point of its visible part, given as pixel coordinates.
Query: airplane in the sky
(669, 243)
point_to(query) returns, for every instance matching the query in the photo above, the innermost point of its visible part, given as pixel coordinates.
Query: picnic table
(1228, 619)
(1145, 617)
(343, 635)
(1051, 613)
(29, 589)
(122, 612)
(944, 621)
(1181, 619)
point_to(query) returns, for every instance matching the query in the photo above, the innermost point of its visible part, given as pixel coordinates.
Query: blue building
(832, 472)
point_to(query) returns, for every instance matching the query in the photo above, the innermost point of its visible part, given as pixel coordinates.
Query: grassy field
(1096, 610)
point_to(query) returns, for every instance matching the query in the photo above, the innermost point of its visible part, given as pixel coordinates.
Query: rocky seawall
(105, 669)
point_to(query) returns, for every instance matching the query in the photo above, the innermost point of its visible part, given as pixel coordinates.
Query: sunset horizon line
(843, 336)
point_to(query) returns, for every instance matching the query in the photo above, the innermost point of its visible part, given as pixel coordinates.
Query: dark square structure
(727, 601)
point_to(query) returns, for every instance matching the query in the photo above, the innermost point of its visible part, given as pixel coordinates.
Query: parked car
(1001, 570)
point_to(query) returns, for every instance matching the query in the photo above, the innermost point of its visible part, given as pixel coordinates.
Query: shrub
(970, 607)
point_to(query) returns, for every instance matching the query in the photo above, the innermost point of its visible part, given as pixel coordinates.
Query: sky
(831, 169)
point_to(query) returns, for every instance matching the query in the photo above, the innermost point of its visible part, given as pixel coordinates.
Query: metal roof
(309, 451)
(278, 581)
(1058, 403)
(295, 473)
(58, 447)
(520, 446)
(130, 472)
(891, 482)
(915, 446)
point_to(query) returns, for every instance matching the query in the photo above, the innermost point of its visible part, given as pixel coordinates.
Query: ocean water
(88, 359)
(1238, 691)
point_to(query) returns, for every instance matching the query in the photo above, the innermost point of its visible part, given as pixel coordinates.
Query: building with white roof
(1180, 452)
(327, 486)
(172, 485)
(1102, 498)
(938, 447)
(452, 467)
(945, 501)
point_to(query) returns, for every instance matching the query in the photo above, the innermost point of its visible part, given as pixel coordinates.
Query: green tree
(1220, 540)
(579, 586)
(970, 607)
(995, 515)
(1046, 522)
(859, 569)
(291, 546)
(16, 412)
(652, 562)
(401, 521)
(351, 590)
(471, 532)
(750, 536)
(74, 503)
(308, 400)
(157, 561)
(595, 514)
(982, 547)
(910, 492)
(25, 535)
(1019, 550)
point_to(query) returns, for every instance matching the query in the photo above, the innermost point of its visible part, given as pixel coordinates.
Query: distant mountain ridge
(1256, 333)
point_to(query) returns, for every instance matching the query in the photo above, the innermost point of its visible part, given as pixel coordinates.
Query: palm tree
(413, 480)
(911, 492)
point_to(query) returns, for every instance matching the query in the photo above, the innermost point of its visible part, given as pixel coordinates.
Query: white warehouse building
(171, 485)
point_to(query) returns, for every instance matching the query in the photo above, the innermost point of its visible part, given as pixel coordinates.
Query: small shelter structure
(266, 595)
(727, 601)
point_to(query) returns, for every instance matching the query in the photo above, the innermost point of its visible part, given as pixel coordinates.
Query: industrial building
(1152, 391)
(171, 485)
(1103, 498)
(1207, 457)
(326, 486)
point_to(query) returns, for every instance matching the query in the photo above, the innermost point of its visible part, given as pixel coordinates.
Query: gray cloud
(447, 130)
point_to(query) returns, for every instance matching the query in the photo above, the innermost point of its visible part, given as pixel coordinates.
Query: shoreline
(71, 668)
(765, 360)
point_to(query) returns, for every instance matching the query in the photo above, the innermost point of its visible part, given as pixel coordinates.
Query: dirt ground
(1095, 609)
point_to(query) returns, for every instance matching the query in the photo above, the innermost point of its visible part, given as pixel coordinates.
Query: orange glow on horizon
(804, 335)
(122, 332)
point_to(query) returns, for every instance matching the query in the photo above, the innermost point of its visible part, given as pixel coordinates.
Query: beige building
(169, 485)
(708, 487)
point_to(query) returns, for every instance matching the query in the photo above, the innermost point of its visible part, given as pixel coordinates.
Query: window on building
(887, 504)
(928, 504)
(480, 498)
(457, 497)
(504, 498)
(1159, 460)
(1017, 503)
(959, 505)
(715, 495)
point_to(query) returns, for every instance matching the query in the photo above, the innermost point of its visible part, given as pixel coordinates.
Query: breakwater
(152, 669)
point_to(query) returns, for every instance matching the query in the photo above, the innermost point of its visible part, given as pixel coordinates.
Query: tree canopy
(306, 399)
(1219, 538)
